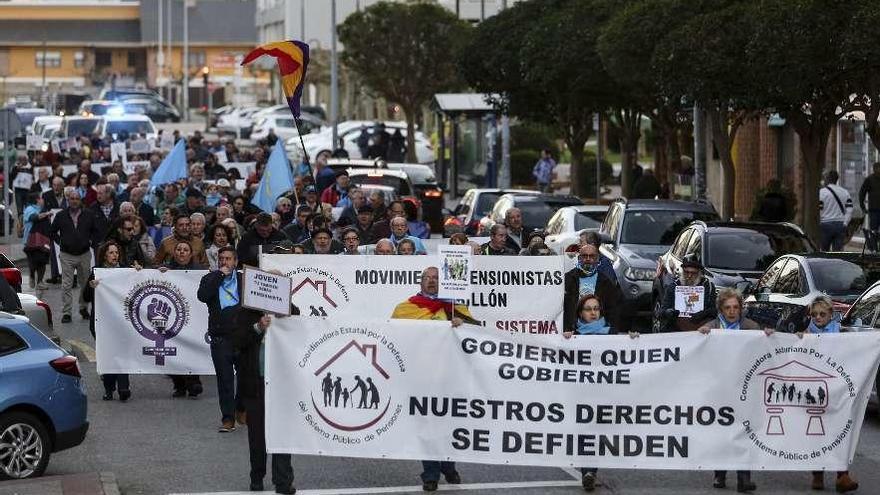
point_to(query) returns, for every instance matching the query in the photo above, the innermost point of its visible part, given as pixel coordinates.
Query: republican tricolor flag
(293, 59)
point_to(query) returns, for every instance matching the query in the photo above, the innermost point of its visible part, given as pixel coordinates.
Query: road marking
(84, 349)
(574, 473)
(417, 488)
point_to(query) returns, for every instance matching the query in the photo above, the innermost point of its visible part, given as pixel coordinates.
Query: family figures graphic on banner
(790, 394)
(455, 269)
(333, 390)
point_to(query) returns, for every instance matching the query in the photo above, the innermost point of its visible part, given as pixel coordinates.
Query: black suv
(636, 232)
(734, 254)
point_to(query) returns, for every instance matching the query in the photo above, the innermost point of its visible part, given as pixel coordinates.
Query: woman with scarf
(821, 321)
(183, 259)
(730, 317)
(590, 322)
(109, 256)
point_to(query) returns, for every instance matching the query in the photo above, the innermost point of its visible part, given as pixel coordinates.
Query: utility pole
(43, 85)
(600, 155)
(334, 77)
(160, 55)
(186, 60)
(482, 10)
(458, 8)
(302, 20)
(699, 185)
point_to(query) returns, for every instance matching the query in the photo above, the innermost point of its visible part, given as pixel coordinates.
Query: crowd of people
(105, 216)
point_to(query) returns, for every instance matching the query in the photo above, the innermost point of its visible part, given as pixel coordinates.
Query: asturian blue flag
(173, 167)
(277, 179)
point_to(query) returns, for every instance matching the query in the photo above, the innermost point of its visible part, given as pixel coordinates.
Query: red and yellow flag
(293, 59)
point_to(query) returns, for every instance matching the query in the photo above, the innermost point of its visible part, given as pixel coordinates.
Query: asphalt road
(157, 445)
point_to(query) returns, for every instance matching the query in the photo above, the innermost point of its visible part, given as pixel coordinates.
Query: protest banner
(221, 157)
(117, 152)
(514, 294)
(455, 271)
(421, 390)
(244, 168)
(149, 322)
(166, 141)
(266, 291)
(34, 142)
(131, 167)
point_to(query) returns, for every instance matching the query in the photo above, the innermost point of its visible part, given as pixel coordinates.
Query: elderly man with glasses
(585, 279)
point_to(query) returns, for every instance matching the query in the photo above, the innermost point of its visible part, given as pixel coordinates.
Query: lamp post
(334, 77)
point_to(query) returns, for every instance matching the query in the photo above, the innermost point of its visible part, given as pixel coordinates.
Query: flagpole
(305, 153)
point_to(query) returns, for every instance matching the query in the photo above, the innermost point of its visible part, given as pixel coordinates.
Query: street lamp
(206, 72)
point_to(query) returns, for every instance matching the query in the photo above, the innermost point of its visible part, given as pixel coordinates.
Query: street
(158, 445)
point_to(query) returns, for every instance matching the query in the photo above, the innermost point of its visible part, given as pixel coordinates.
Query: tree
(405, 53)
(862, 54)
(704, 60)
(540, 58)
(805, 78)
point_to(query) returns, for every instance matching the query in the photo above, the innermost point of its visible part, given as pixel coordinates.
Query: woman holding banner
(822, 320)
(183, 259)
(109, 256)
(590, 322)
(730, 317)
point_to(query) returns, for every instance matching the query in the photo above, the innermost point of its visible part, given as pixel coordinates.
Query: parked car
(239, 122)
(349, 132)
(636, 232)
(396, 179)
(76, 126)
(781, 295)
(734, 254)
(283, 125)
(27, 115)
(133, 125)
(10, 272)
(427, 190)
(42, 121)
(119, 93)
(156, 109)
(536, 208)
(864, 316)
(43, 406)
(473, 206)
(566, 225)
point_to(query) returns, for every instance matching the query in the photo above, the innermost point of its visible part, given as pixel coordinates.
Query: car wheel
(656, 323)
(24, 446)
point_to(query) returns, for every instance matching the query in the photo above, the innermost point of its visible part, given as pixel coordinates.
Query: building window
(48, 59)
(103, 58)
(79, 59)
(196, 60)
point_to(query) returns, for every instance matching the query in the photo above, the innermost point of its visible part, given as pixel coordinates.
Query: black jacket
(246, 340)
(709, 312)
(104, 222)
(50, 202)
(222, 322)
(76, 240)
(609, 294)
(870, 190)
(247, 250)
(487, 250)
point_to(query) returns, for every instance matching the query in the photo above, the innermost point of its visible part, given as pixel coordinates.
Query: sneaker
(241, 417)
(66, 319)
(227, 426)
(588, 481)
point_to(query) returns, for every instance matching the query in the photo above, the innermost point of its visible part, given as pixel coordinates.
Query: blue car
(42, 400)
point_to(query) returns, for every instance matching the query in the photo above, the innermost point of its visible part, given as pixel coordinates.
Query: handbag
(37, 241)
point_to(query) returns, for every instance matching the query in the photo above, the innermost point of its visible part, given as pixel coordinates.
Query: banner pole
(301, 142)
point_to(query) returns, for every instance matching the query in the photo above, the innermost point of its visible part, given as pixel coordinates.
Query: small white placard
(266, 291)
(167, 141)
(689, 300)
(455, 271)
(117, 152)
(23, 180)
(34, 142)
(56, 146)
(221, 156)
(140, 147)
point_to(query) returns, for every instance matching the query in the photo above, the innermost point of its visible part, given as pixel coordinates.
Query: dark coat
(248, 251)
(76, 240)
(609, 294)
(246, 340)
(104, 222)
(50, 202)
(709, 307)
(221, 322)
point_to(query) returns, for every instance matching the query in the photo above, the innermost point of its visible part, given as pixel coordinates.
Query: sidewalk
(71, 484)
(13, 251)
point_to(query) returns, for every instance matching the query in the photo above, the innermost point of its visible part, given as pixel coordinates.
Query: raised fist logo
(158, 313)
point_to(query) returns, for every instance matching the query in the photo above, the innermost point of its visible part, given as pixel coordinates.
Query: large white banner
(151, 322)
(422, 390)
(513, 294)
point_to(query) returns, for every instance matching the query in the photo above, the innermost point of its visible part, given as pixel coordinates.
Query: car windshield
(27, 118)
(82, 127)
(588, 220)
(658, 227)
(752, 251)
(130, 126)
(285, 123)
(485, 202)
(98, 108)
(398, 184)
(536, 214)
(837, 277)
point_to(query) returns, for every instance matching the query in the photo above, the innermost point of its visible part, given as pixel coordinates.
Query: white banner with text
(423, 390)
(513, 294)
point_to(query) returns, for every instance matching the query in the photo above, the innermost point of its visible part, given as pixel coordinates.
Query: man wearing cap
(673, 319)
(263, 233)
(337, 192)
(322, 242)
